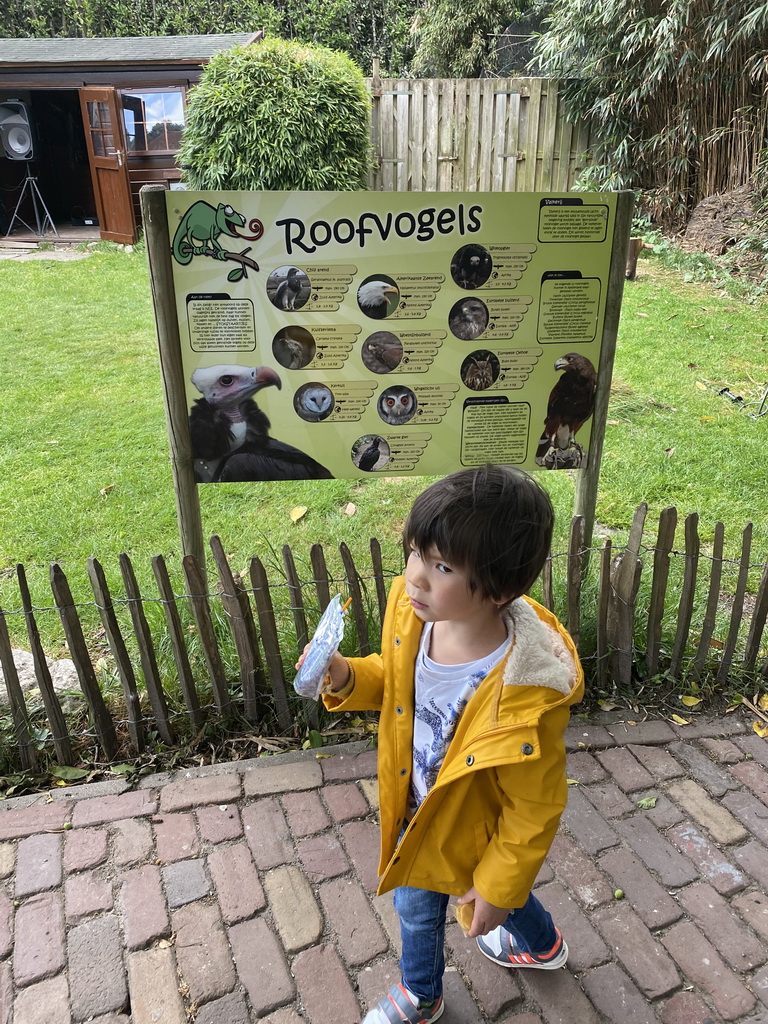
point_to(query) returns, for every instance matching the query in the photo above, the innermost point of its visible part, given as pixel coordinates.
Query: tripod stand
(30, 185)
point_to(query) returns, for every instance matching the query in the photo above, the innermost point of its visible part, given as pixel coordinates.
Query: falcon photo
(571, 403)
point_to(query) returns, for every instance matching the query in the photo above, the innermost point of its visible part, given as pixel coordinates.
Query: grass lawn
(85, 455)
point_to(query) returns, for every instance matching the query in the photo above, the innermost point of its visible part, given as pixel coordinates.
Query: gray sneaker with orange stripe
(500, 946)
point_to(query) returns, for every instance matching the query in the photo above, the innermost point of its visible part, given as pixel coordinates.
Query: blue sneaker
(500, 946)
(401, 1006)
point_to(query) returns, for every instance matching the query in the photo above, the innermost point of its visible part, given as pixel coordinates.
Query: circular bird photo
(397, 405)
(293, 347)
(480, 369)
(468, 318)
(370, 453)
(382, 352)
(471, 266)
(314, 402)
(378, 296)
(288, 288)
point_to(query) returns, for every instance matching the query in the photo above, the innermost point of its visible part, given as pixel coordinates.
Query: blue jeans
(422, 932)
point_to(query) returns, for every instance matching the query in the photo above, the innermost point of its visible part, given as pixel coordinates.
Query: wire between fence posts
(180, 656)
(78, 652)
(21, 725)
(197, 594)
(270, 640)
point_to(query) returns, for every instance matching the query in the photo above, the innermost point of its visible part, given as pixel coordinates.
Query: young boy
(474, 685)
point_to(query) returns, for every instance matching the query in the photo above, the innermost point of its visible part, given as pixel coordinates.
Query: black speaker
(16, 131)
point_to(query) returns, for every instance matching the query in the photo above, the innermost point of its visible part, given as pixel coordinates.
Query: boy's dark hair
(494, 523)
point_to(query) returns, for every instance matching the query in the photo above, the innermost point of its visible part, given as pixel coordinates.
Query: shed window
(154, 120)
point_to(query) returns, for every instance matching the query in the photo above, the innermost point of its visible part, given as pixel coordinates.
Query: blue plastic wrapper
(330, 629)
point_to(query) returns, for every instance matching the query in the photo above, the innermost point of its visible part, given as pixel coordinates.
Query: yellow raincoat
(493, 811)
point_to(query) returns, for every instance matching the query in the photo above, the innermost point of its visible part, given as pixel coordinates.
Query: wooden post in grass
(158, 241)
(585, 500)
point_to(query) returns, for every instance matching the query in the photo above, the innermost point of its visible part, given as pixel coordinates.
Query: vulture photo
(378, 298)
(571, 403)
(230, 433)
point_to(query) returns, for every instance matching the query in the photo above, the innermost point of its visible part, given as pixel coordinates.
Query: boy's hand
(338, 670)
(486, 917)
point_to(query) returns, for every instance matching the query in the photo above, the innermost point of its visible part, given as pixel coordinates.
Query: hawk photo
(571, 403)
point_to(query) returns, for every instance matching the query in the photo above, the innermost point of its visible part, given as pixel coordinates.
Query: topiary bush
(278, 114)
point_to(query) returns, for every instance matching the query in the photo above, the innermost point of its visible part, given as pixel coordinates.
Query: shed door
(109, 165)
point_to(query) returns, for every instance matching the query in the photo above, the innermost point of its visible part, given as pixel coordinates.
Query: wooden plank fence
(641, 610)
(474, 134)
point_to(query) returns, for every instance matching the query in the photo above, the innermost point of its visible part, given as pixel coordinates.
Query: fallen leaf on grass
(669, 451)
(763, 702)
(105, 490)
(297, 512)
(642, 314)
(700, 386)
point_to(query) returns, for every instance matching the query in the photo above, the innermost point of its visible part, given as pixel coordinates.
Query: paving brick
(494, 989)
(284, 1016)
(230, 1009)
(759, 985)
(86, 894)
(294, 909)
(721, 825)
(724, 929)
(261, 965)
(686, 1008)
(658, 762)
(608, 800)
(325, 989)
(546, 874)
(653, 903)
(220, 823)
(322, 857)
(370, 788)
(664, 814)
(653, 849)
(136, 804)
(616, 997)
(584, 768)
(267, 779)
(359, 934)
(185, 881)
(38, 864)
(187, 793)
(6, 925)
(345, 802)
(47, 1002)
(578, 872)
(627, 734)
(626, 769)
(699, 960)
(306, 813)
(385, 908)
(39, 938)
(237, 882)
(175, 837)
(349, 767)
(6, 994)
(361, 838)
(111, 1018)
(645, 960)
(753, 907)
(751, 812)
(145, 915)
(460, 1007)
(559, 997)
(754, 777)
(753, 747)
(722, 751)
(700, 767)
(85, 848)
(522, 1018)
(710, 862)
(375, 980)
(154, 988)
(7, 859)
(92, 992)
(586, 824)
(132, 842)
(267, 833)
(753, 857)
(701, 726)
(589, 949)
(582, 736)
(15, 824)
(202, 952)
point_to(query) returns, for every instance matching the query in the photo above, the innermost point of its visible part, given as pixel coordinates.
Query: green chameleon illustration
(199, 231)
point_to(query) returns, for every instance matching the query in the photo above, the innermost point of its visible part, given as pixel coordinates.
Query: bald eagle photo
(571, 403)
(230, 433)
(378, 297)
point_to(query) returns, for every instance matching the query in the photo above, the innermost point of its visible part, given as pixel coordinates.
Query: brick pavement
(245, 892)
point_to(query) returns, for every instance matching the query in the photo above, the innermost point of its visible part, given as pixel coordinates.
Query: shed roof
(59, 52)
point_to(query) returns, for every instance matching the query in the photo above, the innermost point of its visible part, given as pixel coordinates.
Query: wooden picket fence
(699, 616)
(474, 134)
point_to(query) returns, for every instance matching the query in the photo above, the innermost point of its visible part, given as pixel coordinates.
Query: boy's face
(439, 592)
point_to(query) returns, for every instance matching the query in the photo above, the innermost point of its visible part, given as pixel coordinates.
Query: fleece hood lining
(539, 655)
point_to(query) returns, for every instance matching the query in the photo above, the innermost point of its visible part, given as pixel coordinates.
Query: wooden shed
(92, 120)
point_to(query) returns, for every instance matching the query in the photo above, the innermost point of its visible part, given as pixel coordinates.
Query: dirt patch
(718, 221)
